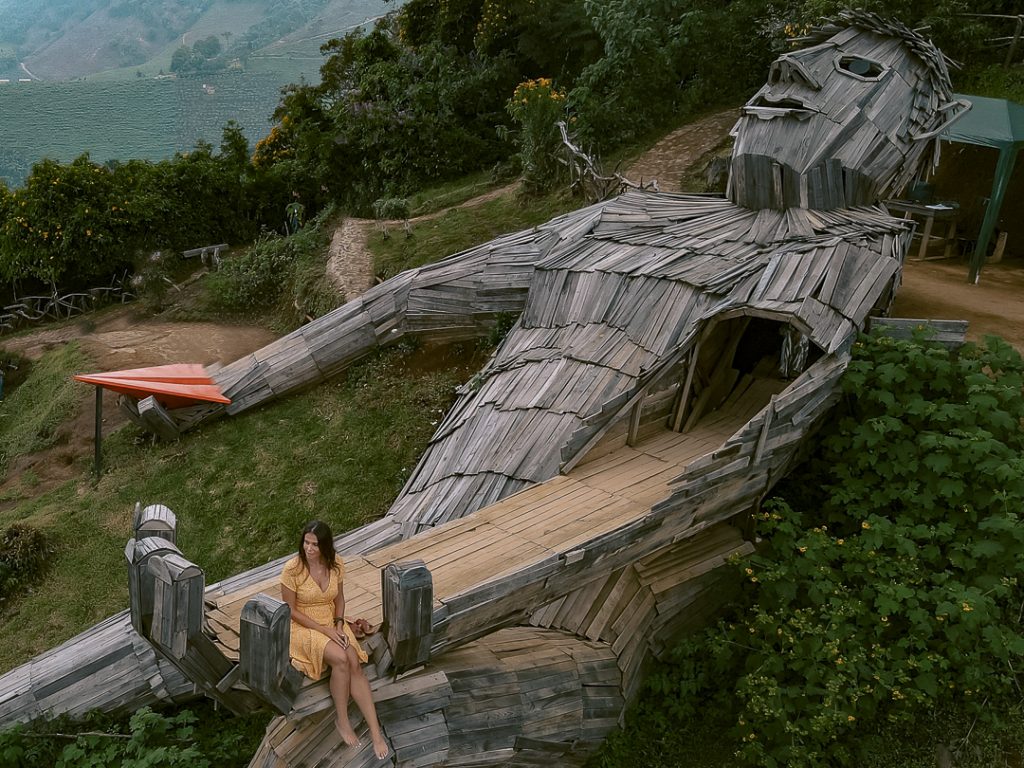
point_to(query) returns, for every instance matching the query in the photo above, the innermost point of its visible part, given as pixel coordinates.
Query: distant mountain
(70, 39)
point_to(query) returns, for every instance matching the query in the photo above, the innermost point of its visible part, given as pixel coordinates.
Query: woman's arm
(339, 604)
(299, 617)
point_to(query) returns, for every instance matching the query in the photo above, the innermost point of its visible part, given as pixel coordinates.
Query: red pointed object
(173, 386)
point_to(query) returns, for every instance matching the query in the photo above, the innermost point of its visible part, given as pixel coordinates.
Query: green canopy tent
(996, 123)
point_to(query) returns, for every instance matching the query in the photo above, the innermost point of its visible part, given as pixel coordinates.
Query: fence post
(263, 637)
(407, 591)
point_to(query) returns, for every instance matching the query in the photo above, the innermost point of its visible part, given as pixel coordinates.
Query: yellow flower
(967, 607)
(88, 233)
(865, 525)
(885, 619)
(802, 550)
(850, 718)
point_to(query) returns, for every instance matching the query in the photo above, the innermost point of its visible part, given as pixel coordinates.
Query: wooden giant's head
(845, 122)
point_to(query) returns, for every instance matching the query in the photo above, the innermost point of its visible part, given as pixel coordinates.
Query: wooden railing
(30, 310)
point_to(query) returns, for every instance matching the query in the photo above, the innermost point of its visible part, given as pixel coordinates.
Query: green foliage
(75, 225)
(67, 222)
(274, 269)
(146, 739)
(886, 587)
(24, 555)
(15, 369)
(391, 208)
(31, 414)
(202, 56)
(461, 228)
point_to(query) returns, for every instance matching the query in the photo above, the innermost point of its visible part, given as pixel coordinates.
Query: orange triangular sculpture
(173, 386)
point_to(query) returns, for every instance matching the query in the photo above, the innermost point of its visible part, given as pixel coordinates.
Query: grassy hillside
(98, 87)
(60, 40)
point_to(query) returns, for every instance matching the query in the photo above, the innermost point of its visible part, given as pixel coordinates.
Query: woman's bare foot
(347, 734)
(380, 747)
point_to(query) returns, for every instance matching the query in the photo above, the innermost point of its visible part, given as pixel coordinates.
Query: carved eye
(860, 67)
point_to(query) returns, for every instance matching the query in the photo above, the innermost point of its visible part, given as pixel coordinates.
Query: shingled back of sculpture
(672, 353)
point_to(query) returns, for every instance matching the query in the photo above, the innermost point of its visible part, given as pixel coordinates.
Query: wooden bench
(209, 254)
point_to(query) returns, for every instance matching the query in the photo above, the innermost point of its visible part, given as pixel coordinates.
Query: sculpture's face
(848, 102)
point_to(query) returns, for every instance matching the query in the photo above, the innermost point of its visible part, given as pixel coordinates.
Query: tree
(208, 47)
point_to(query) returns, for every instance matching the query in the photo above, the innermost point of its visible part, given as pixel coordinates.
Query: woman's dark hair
(324, 540)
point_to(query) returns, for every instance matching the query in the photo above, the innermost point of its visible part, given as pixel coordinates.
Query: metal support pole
(98, 459)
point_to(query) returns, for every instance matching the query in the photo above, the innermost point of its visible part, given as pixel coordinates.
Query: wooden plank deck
(543, 521)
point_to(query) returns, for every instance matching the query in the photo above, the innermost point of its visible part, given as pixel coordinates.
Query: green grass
(31, 414)
(462, 228)
(452, 193)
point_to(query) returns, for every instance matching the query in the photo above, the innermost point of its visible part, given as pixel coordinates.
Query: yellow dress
(306, 646)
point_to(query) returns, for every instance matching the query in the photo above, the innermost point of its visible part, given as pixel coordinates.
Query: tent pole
(1007, 158)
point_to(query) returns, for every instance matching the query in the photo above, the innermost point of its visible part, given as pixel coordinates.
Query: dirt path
(939, 290)
(676, 154)
(350, 263)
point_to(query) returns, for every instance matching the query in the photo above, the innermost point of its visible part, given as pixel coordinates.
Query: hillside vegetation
(145, 79)
(69, 39)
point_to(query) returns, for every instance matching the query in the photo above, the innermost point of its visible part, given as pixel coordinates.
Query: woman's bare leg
(340, 684)
(363, 697)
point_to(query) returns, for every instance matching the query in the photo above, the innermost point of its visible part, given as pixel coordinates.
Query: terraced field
(133, 112)
(142, 118)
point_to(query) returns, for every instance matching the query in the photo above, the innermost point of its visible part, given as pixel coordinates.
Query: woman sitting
(311, 584)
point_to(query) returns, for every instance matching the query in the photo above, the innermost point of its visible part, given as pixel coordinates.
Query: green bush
(536, 107)
(199, 737)
(886, 586)
(15, 369)
(277, 273)
(24, 555)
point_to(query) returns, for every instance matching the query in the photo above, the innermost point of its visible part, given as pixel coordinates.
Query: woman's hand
(337, 635)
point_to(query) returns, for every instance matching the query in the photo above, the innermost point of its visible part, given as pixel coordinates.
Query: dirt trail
(350, 263)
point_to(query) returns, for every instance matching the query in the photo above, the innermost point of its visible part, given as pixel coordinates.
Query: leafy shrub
(24, 555)
(536, 107)
(275, 269)
(886, 586)
(146, 738)
(391, 208)
(15, 369)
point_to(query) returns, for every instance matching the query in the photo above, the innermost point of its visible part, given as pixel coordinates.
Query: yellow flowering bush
(536, 107)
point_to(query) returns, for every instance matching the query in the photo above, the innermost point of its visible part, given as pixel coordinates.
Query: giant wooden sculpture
(671, 355)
